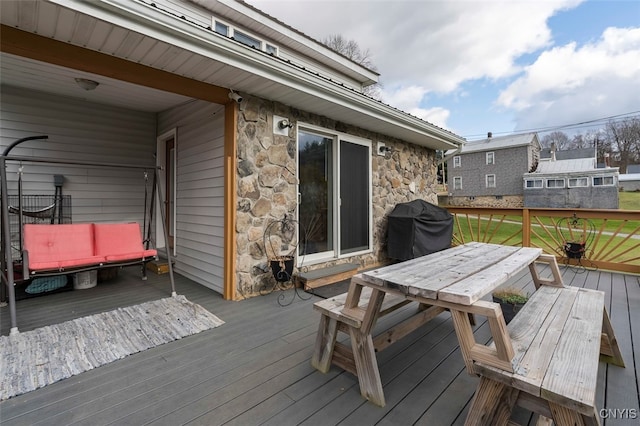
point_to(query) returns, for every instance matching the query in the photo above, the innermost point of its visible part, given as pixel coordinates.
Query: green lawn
(629, 200)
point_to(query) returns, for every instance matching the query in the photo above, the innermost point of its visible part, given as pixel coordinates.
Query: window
(491, 158)
(603, 181)
(578, 182)
(555, 183)
(243, 37)
(271, 49)
(335, 212)
(221, 28)
(533, 183)
(457, 162)
(490, 181)
(247, 39)
(457, 182)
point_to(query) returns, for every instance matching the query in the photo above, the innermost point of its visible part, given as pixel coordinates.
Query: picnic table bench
(545, 360)
(554, 345)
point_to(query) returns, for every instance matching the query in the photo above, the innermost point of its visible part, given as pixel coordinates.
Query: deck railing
(605, 239)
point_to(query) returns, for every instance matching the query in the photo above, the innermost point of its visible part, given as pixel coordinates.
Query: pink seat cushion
(120, 241)
(59, 246)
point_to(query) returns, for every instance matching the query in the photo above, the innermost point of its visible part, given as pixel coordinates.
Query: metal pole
(6, 237)
(76, 163)
(166, 233)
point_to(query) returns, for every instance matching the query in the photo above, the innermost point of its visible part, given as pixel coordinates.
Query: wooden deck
(255, 369)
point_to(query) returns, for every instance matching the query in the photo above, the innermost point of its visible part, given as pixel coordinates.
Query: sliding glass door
(335, 195)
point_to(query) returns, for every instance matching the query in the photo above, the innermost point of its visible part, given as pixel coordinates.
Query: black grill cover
(418, 228)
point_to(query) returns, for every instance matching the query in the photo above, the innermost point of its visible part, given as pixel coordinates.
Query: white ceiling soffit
(141, 33)
(27, 73)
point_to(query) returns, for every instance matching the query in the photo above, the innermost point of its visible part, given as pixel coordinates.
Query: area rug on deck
(34, 359)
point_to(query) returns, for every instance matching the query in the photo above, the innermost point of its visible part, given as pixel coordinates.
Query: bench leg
(492, 404)
(609, 349)
(325, 344)
(563, 416)
(364, 355)
(550, 260)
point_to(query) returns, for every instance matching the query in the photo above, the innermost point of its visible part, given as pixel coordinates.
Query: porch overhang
(206, 57)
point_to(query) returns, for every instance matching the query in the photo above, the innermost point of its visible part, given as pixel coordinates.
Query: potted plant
(511, 300)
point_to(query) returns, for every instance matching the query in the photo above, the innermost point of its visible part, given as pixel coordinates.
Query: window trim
(486, 180)
(491, 155)
(603, 177)
(457, 161)
(231, 33)
(534, 180)
(457, 179)
(547, 180)
(581, 178)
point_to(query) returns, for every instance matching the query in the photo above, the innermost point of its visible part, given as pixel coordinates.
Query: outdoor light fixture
(283, 124)
(87, 84)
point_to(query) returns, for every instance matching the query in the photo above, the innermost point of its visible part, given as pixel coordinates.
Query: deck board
(255, 369)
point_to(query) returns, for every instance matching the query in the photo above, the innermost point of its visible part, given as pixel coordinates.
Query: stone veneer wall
(486, 201)
(267, 190)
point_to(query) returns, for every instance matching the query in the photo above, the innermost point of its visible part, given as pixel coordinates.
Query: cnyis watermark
(619, 413)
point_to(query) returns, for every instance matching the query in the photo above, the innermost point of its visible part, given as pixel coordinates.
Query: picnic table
(457, 279)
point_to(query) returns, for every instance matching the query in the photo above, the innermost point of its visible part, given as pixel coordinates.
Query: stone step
(327, 275)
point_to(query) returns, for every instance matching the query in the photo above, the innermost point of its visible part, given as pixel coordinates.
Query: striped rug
(37, 358)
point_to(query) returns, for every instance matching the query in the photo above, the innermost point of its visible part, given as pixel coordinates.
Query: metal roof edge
(154, 22)
(300, 39)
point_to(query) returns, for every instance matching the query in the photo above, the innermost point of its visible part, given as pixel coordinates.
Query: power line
(589, 123)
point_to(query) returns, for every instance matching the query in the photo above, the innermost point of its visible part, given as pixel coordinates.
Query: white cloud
(569, 83)
(434, 44)
(441, 51)
(423, 48)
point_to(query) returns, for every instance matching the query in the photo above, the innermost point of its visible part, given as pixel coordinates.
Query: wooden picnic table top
(462, 274)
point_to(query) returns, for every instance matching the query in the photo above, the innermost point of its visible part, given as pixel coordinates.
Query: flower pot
(509, 310)
(282, 268)
(574, 250)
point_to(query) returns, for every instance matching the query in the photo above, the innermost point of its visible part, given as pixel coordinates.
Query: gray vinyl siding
(510, 164)
(80, 131)
(199, 236)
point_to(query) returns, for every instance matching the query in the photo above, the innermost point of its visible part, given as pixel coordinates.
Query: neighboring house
(250, 120)
(630, 181)
(488, 172)
(569, 154)
(571, 183)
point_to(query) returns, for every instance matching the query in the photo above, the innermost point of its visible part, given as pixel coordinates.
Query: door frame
(161, 162)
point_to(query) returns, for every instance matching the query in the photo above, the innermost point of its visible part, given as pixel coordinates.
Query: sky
(504, 67)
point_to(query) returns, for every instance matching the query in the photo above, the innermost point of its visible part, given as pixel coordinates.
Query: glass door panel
(315, 172)
(354, 197)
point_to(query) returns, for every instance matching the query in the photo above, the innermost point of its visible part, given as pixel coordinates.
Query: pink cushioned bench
(65, 247)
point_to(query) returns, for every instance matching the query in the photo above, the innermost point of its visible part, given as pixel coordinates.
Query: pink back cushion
(55, 243)
(117, 238)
